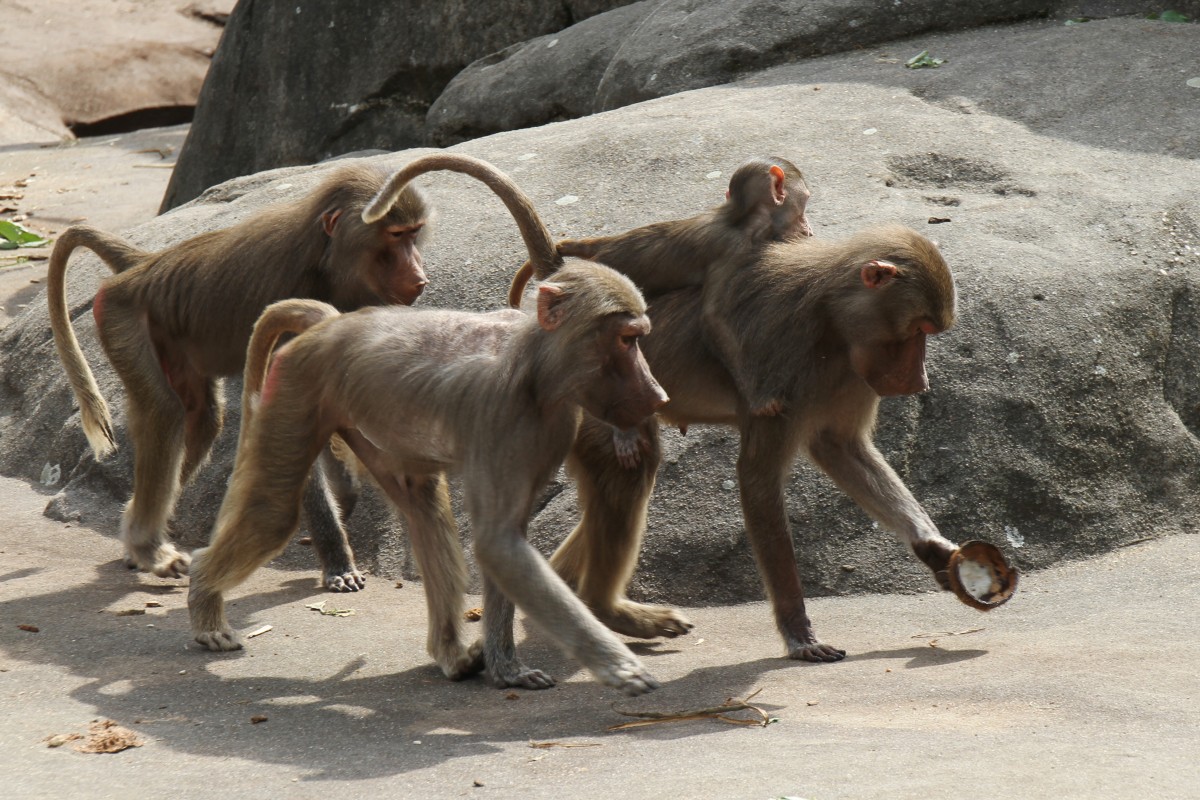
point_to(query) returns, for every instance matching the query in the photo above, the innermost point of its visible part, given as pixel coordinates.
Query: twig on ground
(720, 712)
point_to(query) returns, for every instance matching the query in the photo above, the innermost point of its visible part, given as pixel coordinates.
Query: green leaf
(922, 60)
(14, 235)
(1169, 16)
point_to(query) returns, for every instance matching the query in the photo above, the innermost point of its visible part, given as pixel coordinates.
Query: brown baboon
(841, 323)
(415, 393)
(173, 322)
(766, 202)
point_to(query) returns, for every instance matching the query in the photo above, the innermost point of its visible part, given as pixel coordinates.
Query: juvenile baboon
(415, 393)
(842, 323)
(174, 322)
(766, 202)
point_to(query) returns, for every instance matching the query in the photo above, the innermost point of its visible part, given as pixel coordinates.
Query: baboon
(841, 323)
(766, 202)
(174, 322)
(415, 393)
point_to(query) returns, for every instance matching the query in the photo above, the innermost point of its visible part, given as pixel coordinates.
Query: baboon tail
(517, 288)
(119, 256)
(573, 248)
(542, 253)
(287, 316)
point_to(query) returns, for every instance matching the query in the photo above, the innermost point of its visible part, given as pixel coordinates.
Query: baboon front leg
(765, 457)
(504, 668)
(329, 498)
(156, 427)
(599, 556)
(525, 578)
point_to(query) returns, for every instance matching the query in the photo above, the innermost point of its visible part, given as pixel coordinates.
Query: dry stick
(715, 712)
(946, 633)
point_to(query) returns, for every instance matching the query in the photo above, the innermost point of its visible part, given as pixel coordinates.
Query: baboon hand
(628, 676)
(515, 674)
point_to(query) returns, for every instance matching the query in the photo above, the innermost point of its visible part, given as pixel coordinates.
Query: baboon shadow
(368, 719)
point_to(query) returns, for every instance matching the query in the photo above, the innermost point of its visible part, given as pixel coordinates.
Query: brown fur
(831, 319)
(415, 393)
(766, 202)
(173, 322)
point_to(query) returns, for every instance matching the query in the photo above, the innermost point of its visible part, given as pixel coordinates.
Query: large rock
(1065, 407)
(100, 65)
(295, 82)
(659, 47)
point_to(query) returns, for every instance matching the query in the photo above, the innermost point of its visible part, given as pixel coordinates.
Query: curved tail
(287, 316)
(543, 256)
(119, 256)
(575, 248)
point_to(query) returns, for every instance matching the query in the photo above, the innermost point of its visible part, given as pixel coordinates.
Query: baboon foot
(627, 676)
(643, 621)
(165, 560)
(511, 672)
(344, 580)
(814, 651)
(222, 639)
(463, 664)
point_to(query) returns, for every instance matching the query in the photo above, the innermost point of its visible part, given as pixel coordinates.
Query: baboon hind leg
(260, 512)
(599, 556)
(156, 427)
(204, 415)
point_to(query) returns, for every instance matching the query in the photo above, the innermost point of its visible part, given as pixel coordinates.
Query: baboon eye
(405, 231)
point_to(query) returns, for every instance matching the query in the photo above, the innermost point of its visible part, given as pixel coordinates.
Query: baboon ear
(877, 274)
(329, 220)
(550, 310)
(778, 185)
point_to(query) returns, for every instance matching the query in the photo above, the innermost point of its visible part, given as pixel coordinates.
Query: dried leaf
(107, 736)
(30, 628)
(257, 718)
(330, 612)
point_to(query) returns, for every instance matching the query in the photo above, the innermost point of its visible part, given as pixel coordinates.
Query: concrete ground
(1083, 686)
